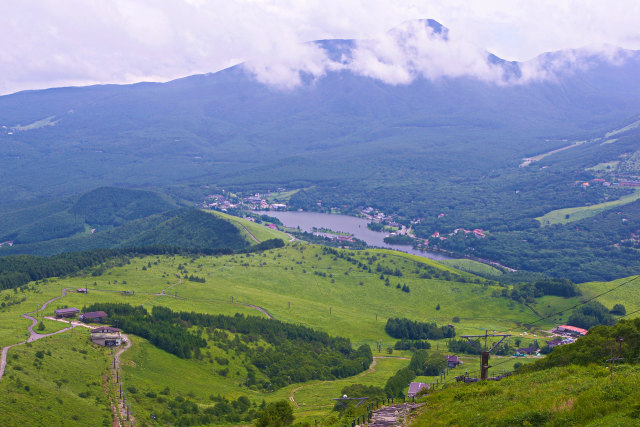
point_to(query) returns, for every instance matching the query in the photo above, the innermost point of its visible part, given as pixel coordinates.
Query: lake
(349, 224)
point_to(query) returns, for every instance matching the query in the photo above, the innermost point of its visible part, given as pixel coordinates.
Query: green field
(563, 216)
(605, 166)
(627, 295)
(258, 231)
(573, 395)
(472, 266)
(299, 283)
(62, 387)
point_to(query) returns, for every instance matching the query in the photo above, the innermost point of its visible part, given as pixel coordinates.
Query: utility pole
(484, 353)
(613, 359)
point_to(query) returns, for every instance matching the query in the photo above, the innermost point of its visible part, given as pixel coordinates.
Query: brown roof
(66, 310)
(94, 314)
(104, 329)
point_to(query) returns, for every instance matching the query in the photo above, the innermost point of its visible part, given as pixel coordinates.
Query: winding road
(33, 336)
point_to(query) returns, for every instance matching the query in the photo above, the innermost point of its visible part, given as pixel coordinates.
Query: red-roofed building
(571, 330)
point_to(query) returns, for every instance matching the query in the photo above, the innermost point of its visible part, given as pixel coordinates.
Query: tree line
(414, 330)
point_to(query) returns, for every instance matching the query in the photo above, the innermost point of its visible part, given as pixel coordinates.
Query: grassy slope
(627, 295)
(271, 280)
(49, 394)
(571, 395)
(259, 231)
(581, 212)
(472, 266)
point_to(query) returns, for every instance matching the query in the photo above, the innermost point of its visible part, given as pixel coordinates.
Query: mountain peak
(430, 25)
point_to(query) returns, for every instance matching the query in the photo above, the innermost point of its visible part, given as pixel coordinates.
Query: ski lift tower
(484, 358)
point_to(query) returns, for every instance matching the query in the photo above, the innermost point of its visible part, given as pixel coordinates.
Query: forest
(295, 353)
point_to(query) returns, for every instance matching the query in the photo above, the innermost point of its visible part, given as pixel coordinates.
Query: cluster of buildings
(378, 216)
(476, 232)
(604, 182)
(103, 335)
(218, 201)
(255, 202)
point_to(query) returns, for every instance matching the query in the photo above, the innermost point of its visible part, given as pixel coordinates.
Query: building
(414, 388)
(527, 351)
(106, 336)
(66, 312)
(94, 316)
(82, 290)
(554, 343)
(571, 330)
(453, 361)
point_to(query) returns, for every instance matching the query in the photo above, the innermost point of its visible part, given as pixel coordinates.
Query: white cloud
(45, 43)
(415, 50)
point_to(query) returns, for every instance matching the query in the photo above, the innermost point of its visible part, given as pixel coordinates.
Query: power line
(585, 302)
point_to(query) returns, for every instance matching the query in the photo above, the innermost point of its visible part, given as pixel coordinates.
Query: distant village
(257, 202)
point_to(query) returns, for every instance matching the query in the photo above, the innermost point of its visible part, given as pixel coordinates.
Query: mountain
(229, 128)
(437, 133)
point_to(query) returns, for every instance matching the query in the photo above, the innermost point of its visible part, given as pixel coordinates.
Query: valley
(323, 288)
(404, 229)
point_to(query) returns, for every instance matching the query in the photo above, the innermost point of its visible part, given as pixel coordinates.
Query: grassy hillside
(326, 289)
(250, 228)
(563, 216)
(56, 381)
(572, 395)
(472, 266)
(627, 295)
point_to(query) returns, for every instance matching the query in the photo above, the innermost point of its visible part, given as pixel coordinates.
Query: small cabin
(82, 290)
(527, 351)
(106, 336)
(414, 388)
(66, 312)
(93, 317)
(453, 361)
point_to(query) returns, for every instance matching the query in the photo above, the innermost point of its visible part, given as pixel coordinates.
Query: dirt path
(392, 415)
(162, 292)
(260, 309)
(122, 407)
(249, 233)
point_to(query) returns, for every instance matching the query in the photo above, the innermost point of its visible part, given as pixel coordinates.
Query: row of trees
(413, 330)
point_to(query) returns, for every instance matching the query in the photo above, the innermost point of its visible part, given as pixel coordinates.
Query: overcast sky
(78, 42)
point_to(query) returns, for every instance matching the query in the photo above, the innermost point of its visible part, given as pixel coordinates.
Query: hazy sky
(77, 42)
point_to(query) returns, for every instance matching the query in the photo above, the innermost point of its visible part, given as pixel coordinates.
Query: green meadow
(299, 283)
(564, 216)
(56, 381)
(572, 395)
(471, 266)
